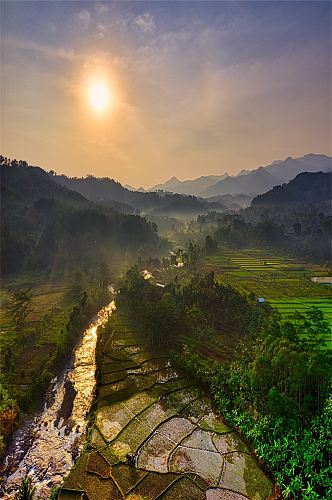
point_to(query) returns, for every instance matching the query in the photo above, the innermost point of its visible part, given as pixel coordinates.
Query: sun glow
(99, 96)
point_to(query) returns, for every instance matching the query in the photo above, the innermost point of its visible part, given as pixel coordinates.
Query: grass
(282, 281)
(46, 294)
(48, 297)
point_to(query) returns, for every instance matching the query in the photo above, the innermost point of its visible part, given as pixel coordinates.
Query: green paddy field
(284, 282)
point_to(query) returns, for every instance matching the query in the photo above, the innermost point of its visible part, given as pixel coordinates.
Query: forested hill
(21, 183)
(47, 227)
(305, 189)
(157, 203)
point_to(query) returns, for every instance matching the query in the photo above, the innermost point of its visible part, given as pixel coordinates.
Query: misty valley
(160, 345)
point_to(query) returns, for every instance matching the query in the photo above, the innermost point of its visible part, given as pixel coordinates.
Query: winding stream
(46, 446)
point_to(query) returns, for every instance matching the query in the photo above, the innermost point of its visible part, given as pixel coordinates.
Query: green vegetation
(54, 248)
(284, 282)
(48, 229)
(303, 232)
(39, 328)
(275, 388)
(26, 490)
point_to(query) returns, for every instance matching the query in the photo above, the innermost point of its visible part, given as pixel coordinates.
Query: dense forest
(47, 228)
(301, 227)
(275, 389)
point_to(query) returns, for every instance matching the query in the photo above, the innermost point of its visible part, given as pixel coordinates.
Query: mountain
(194, 186)
(128, 186)
(162, 203)
(169, 185)
(46, 227)
(244, 172)
(262, 179)
(306, 189)
(257, 181)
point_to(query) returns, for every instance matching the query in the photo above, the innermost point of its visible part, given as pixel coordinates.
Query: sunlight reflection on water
(58, 432)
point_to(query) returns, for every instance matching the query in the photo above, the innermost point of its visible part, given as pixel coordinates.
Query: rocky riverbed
(45, 447)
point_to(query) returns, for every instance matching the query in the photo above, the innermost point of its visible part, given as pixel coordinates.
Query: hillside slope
(46, 227)
(108, 190)
(306, 189)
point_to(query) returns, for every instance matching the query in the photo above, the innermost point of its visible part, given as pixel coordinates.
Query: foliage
(55, 492)
(276, 392)
(47, 228)
(211, 245)
(276, 387)
(26, 490)
(17, 310)
(29, 367)
(303, 231)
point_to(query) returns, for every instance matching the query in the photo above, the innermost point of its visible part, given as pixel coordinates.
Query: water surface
(46, 446)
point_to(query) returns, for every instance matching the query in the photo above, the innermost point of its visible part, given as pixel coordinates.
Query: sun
(99, 96)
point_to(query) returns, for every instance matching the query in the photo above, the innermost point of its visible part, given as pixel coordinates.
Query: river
(45, 446)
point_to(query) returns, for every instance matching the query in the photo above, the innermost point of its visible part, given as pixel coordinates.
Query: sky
(193, 88)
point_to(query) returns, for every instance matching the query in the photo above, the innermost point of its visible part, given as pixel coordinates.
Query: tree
(210, 245)
(104, 275)
(18, 310)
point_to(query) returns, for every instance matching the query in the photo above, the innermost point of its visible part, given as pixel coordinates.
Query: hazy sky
(196, 88)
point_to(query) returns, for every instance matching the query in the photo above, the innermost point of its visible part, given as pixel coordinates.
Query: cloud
(101, 8)
(83, 17)
(50, 27)
(46, 51)
(68, 54)
(100, 31)
(145, 23)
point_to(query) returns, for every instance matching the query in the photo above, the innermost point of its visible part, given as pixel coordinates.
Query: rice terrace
(284, 282)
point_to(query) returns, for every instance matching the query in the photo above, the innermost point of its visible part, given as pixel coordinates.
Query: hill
(306, 189)
(161, 203)
(46, 227)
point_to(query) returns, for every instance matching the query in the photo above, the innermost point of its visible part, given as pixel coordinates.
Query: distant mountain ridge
(262, 179)
(249, 182)
(194, 186)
